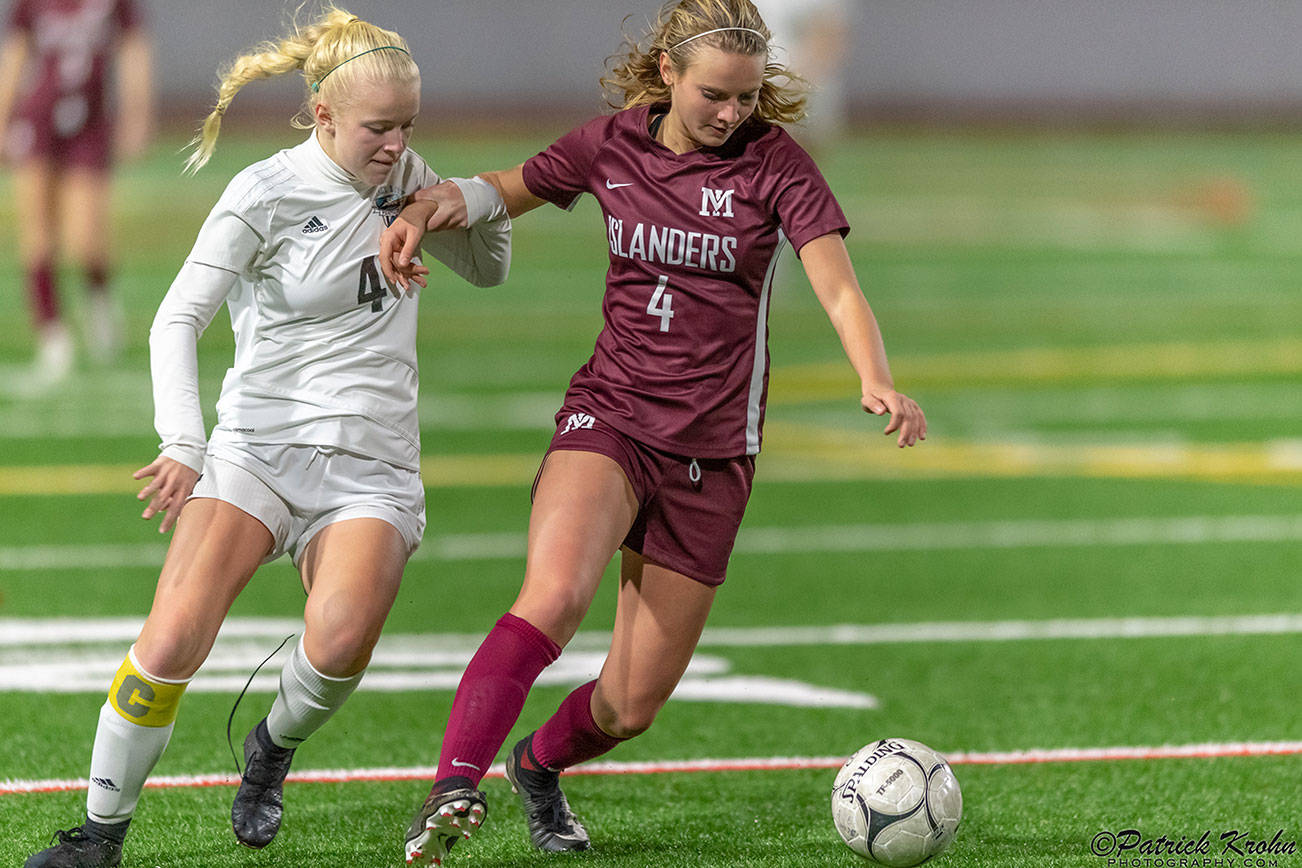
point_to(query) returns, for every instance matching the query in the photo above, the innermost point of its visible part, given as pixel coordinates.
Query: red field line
(426, 773)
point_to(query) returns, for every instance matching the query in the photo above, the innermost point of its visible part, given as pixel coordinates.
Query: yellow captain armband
(143, 699)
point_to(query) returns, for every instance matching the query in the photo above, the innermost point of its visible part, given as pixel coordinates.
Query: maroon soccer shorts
(689, 508)
(88, 147)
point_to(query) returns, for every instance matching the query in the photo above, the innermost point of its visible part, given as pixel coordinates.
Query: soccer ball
(896, 802)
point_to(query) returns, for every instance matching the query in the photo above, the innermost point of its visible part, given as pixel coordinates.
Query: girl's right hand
(167, 491)
(400, 242)
(433, 209)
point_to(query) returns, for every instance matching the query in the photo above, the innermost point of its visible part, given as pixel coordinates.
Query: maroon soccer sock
(491, 694)
(97, 278)
(571, 735)
(40, 290)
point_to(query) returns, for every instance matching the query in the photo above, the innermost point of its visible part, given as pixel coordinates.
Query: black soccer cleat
(256, 812)
(552, 825)
(80, 847)
(447, 816)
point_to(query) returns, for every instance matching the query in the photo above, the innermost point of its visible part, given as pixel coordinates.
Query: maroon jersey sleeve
(804, 203)
(560, 173)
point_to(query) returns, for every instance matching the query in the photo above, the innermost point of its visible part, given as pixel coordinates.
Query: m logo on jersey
(716, 203)
(577, 421)
(315, 225)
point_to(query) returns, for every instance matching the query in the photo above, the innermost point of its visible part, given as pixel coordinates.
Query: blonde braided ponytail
(317, 49)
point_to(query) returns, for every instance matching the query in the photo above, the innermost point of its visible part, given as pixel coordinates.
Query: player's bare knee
(171, 648)
(570, 611)
(625, 719)
(557, 615)
(339, 650)
(630, 725)
(339, 655)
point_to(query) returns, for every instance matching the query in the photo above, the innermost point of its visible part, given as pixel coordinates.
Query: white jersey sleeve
(228, 241)
(479, 254)
(237, 227)
(187, 309)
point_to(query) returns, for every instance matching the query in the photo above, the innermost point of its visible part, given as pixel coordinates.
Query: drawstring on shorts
(694, 472)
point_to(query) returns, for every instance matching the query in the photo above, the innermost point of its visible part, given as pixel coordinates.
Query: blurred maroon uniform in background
(63, 111)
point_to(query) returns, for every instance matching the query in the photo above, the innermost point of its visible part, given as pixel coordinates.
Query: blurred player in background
(317, 448)
(61, 130)
(655, 445)
(815, 35)
(811, 38)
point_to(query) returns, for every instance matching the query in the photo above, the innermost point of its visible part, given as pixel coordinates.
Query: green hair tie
(316, 85)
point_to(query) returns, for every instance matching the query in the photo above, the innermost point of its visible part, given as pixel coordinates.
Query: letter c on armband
(142, 699)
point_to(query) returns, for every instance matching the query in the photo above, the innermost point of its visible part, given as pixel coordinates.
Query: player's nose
(395, 141)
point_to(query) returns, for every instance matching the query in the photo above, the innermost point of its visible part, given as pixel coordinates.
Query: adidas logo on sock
(106, 784)
(316, 224)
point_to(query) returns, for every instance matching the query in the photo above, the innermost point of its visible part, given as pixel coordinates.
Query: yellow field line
(1039, 365)
(797, 452)
(794, 452)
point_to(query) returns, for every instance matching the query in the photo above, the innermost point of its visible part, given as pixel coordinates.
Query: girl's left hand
(167, 491)
(906, 416)
(399, 246)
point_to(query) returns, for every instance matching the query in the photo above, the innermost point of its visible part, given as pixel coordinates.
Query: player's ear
(666, 69)
(324, 117)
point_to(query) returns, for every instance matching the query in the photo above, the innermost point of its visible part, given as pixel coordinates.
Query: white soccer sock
(306, 699)
(126, 751)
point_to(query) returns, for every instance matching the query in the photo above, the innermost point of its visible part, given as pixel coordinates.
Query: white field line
(1005, 631)
(426, 773)
(24, 636)
(939, 536)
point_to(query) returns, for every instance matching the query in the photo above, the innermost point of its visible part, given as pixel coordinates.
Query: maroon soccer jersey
(72, 41)
(682, 362)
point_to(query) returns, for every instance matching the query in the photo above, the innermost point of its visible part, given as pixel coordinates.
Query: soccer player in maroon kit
(655, 444)
(59, 134)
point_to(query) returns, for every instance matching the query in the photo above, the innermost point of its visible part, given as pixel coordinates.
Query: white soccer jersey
(324, 352)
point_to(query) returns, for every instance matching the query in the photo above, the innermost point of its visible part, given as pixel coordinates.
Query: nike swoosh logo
(457, 762)
(610, 185)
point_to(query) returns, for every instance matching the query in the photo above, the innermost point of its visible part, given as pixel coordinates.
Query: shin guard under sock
(491, 694)
(571, 735)
(134, 727)
(306, 699)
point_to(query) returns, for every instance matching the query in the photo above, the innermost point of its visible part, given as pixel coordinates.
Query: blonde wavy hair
(332, 52)
(634, 78)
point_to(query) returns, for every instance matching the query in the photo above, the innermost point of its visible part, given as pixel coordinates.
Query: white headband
(718, 30)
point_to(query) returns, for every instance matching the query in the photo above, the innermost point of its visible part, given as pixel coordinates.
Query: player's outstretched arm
(830, 273)
(400, 242)
(170, 484)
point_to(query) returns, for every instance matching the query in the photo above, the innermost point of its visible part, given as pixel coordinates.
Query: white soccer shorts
(298, 490)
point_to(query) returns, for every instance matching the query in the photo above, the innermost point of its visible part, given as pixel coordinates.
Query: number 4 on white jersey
(662, 304)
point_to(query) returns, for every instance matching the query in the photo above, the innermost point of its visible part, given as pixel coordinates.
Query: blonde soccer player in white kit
(316, 449)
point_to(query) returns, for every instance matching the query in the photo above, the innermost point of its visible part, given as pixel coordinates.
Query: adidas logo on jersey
(315, 225)
(577, 421)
